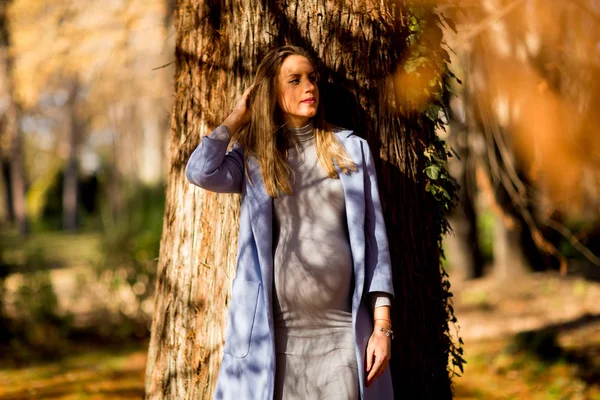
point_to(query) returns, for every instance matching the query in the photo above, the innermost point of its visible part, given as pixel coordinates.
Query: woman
(310, 309)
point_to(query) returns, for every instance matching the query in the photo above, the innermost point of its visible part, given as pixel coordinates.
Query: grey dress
(313, 277)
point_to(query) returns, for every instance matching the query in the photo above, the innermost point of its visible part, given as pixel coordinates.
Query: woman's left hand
(379, 351)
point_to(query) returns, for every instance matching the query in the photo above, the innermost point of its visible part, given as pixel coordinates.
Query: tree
(363, 46)
(104, 49)
(10, 134)
(529, 100)
(70, 200)
(463, 247)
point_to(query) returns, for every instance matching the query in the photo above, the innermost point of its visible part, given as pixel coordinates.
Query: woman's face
(297, 94)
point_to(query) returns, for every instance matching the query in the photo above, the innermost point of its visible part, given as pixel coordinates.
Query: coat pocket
(240, 319)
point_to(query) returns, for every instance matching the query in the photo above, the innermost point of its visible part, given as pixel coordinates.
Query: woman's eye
(295, 81)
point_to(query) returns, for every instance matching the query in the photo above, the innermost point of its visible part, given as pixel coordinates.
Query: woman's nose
(310, 86)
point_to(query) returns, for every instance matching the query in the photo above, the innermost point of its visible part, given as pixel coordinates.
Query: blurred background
(85, 97)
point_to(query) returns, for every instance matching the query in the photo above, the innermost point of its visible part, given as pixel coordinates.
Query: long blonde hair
(265, 139)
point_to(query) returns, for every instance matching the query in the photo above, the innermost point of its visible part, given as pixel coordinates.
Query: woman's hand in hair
(240, 115)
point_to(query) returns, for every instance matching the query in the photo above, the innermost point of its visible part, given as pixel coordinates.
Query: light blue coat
(248, 366)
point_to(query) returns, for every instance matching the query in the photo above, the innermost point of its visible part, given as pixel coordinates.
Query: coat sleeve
(213, 168)
(378, 268)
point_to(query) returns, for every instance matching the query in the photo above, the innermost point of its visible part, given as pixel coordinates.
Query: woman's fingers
(243, 103)
(378, 356)
(377, 370)
(240, 115)
(247, 91)
(373, 370)
(370, 355)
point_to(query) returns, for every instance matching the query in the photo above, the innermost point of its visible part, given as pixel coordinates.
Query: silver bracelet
(388, 332)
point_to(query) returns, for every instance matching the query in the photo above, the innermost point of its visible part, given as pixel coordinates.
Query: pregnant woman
(309, 316)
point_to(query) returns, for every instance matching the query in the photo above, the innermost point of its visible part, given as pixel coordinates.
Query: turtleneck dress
(313, 283)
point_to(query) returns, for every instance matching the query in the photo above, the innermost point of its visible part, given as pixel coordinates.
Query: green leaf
(433, 171)
(432, 112)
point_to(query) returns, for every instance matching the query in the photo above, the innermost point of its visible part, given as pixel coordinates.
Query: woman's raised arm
(211, 166)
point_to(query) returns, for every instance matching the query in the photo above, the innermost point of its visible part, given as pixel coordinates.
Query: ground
(536, 337)
(89, 373)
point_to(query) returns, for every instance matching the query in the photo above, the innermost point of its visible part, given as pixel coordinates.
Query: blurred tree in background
(525, 123)
(11, 142)
(85, 93)
(94, 80)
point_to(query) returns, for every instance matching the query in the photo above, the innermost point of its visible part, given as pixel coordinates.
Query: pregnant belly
(312, 274)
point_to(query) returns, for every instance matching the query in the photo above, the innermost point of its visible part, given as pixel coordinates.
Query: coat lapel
(354, 199)
(261, 216)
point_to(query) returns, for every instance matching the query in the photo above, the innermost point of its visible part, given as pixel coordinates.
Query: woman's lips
(309, 101)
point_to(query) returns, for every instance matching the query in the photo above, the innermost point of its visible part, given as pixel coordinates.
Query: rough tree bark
(218, 47)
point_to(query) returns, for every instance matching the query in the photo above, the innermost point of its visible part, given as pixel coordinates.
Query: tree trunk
(10, 134)
(150, 151)
(70, 180)
(509, 258)
(462, 248)
(4, 202)
(218, 47)
(17, 173)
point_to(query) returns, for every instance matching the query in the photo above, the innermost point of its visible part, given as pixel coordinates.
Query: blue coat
(248, 366)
